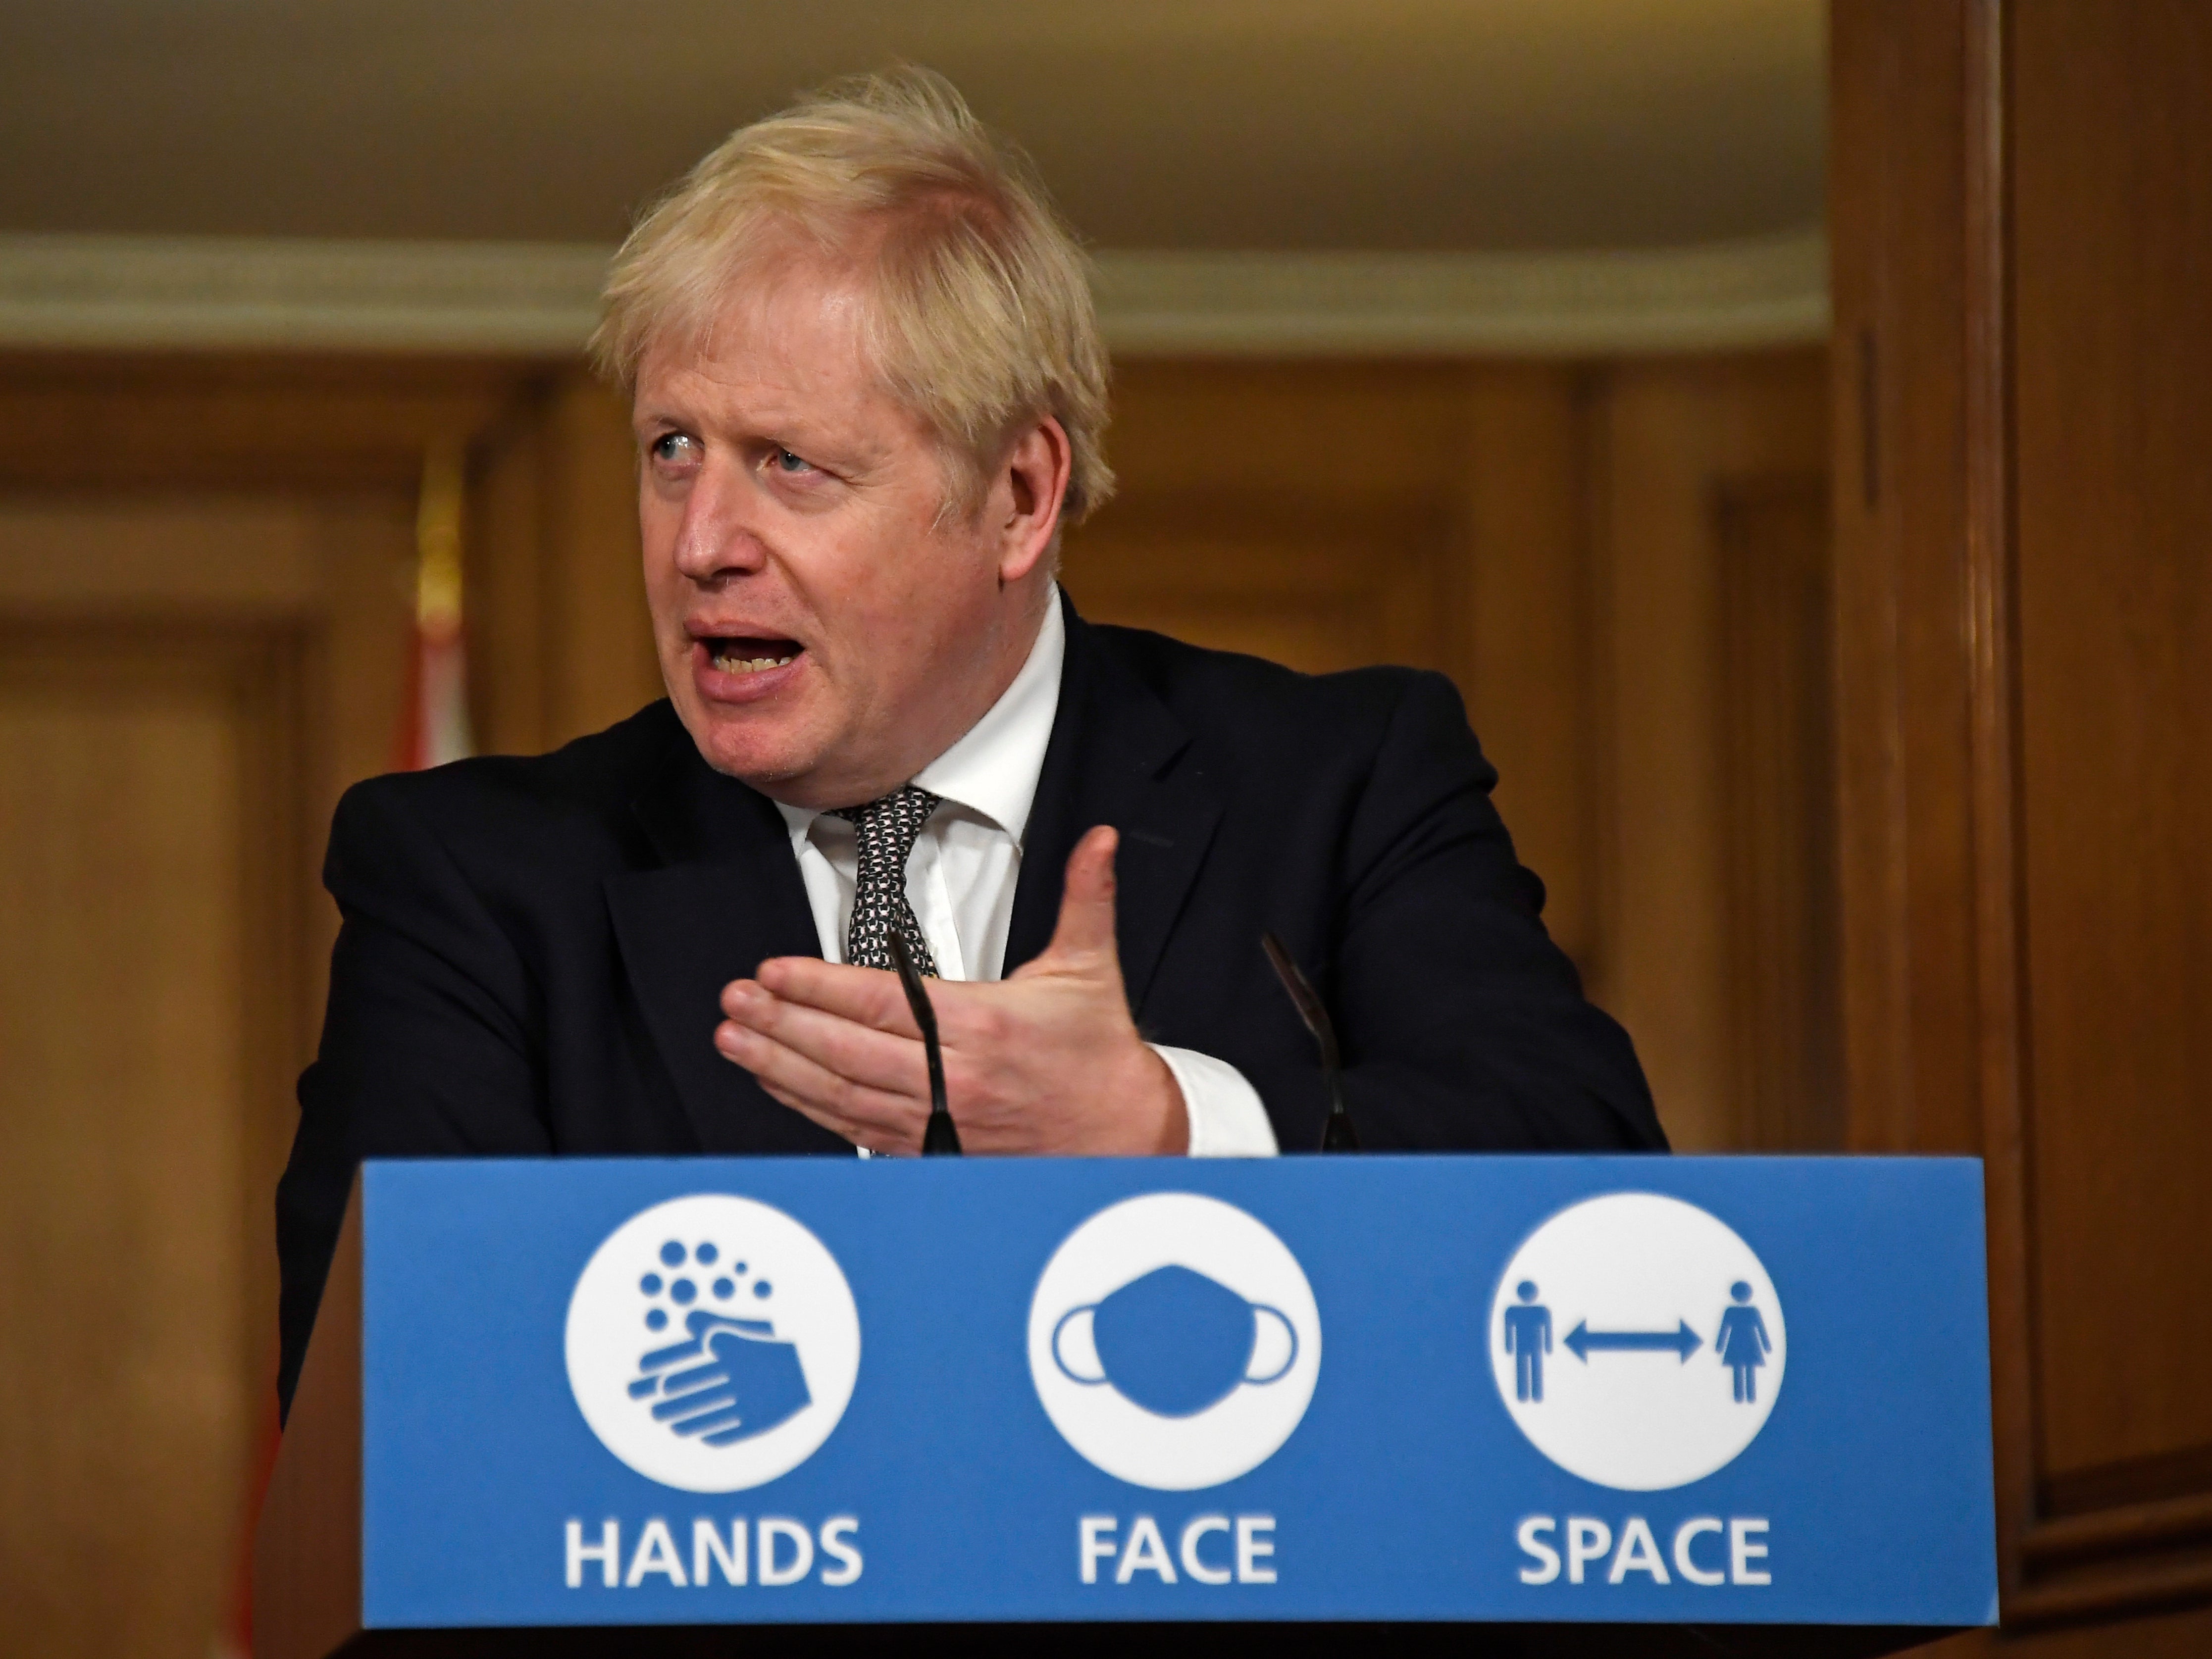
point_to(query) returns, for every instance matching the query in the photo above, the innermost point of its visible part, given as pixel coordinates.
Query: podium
(1512, 1404)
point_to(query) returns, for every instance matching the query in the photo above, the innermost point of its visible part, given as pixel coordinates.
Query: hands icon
(733, 1380)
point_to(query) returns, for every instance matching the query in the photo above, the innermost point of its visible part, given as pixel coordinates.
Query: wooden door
(2022, 198)
(124, 1419)
(203, 616)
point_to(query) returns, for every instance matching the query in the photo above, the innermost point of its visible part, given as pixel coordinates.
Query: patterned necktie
(886, 830)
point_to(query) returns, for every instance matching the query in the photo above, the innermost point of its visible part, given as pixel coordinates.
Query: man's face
(821, 634)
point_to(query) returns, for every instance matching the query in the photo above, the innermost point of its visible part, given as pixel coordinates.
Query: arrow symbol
(1682, 1340)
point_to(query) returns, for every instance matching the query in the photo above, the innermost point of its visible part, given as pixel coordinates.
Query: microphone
(1337, 1134)
(941, 1139)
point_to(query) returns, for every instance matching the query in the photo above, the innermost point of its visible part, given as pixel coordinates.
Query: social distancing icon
(1628, 1338)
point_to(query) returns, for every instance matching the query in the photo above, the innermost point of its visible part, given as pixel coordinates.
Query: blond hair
(981, 320)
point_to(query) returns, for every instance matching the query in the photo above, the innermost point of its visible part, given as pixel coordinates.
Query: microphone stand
(942, 1138)
(1337, 1134)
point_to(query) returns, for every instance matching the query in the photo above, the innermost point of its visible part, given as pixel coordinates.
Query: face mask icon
(1173, 1342)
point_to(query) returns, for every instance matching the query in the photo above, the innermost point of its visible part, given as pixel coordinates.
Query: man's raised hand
(1045, 1061)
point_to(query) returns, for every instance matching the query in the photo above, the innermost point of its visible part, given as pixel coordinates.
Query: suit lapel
(727, 896)
(1117, 755)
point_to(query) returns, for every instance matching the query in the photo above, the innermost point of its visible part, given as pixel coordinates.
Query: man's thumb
(1086, 901)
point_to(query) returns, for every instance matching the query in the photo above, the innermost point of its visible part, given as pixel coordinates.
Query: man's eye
(675, 448)
(789, 463)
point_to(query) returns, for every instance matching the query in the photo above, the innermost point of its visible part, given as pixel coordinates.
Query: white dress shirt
(961, 877)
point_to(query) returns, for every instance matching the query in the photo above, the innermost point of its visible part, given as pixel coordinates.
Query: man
(868, 391)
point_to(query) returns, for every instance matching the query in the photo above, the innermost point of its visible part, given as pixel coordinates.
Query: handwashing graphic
(713, 1343)
(733, 1378)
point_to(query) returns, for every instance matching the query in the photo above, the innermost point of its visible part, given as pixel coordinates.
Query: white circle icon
(713, 1343)
(1637, 1341)
(1174, 1341)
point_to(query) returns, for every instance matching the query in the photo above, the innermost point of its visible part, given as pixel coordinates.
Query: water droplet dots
(650, 1283)
(683, 1291)
(656, 1319)
(671, 1253)
(740, 1267)
(763, 1288)
(724, 1290)
(705, 1254)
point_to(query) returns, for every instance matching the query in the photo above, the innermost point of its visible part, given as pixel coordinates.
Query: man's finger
(876, 1118)
(868, 996)
(880, 1060)
(1085, 930)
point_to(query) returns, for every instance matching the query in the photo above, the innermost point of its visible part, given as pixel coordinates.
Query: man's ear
(1035, 477)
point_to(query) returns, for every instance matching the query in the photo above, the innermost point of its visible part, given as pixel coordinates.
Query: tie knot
(890, 826)
(884, 832)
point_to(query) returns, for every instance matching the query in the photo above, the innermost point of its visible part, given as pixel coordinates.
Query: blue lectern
(1736, 1404)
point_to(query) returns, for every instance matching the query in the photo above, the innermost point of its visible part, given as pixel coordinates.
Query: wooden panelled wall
(203, 587)
(1603, 559)
(2022, 217)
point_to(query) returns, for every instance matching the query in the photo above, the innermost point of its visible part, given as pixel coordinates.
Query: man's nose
(717, 538)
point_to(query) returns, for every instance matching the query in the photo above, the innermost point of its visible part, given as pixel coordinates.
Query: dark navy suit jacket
(534, 950)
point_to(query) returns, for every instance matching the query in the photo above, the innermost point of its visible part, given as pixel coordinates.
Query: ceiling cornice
(1770, 292)
(217, 293)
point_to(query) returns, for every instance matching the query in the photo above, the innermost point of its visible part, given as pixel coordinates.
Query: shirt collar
(993, 771)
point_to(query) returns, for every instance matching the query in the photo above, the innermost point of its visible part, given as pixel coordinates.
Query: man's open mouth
(751, 654)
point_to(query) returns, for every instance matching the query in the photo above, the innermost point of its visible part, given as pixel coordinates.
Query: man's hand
(1047, 1061)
